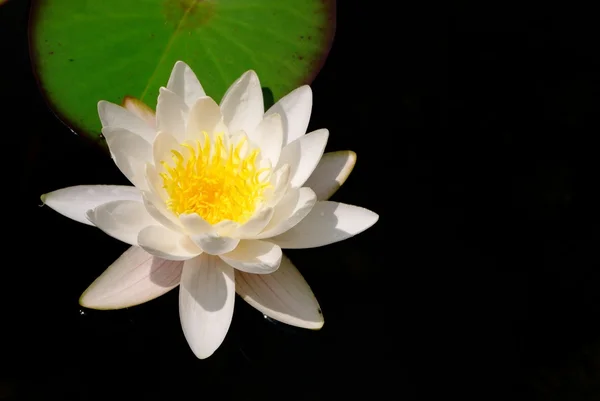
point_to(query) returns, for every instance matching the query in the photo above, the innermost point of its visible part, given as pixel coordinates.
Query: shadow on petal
(165, 273)
(212, 280)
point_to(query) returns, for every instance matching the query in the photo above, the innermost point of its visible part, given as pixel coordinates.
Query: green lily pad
(84, 51)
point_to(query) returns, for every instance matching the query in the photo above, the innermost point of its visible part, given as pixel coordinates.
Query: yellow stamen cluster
(214, 180)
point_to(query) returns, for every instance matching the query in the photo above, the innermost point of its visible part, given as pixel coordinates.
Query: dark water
(475, 130)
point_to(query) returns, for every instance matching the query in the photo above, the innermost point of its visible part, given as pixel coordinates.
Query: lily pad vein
(193, 4)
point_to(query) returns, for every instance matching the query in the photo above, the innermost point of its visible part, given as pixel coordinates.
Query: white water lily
(218, 191)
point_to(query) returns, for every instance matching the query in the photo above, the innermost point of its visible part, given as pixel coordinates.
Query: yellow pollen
(214, 180)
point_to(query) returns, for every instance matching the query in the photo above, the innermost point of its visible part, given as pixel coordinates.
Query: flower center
(215, 180)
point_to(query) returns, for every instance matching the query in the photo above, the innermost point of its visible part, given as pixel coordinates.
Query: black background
(475, 128)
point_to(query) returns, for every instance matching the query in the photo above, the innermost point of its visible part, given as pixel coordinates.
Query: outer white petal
(167, 244)
(251, 256)
(122, 219)
(295, 109)
(331, 172)
(269, 137)
(303, 155)
(113, 115)
(141, 110)
(294, 207)
(328, 222)
(204, 115)
(206, 300)
(242, 105)
(214, 244)
(171, 114)
(134, 278)
(283, 295)
(130, 153)
(74, 202)
(184, 83)
(126, 142)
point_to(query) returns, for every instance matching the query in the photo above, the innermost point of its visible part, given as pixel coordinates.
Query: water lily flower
(218, 191)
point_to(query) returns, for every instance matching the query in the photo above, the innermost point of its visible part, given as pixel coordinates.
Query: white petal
(194, 224)
(295, 109)
(74, 202)
(122, 219)
(126, 142)
(331, 172)
(184, 83)
(134, 278)
(113, 115)
(130, 153)
(226, 228)
(171, 114)
(214, 244)
(283, 295)
(269, 137)
(141, 110)
(158, 210)
(242, 105)
(204, 116)
(280, 181)
(206, 300)
(167, 244)
(328, 222)
(294, 207)
(162, 149)
(155, 182)
(238, 137)
(256, 224)
(303, 155)
(251, 256)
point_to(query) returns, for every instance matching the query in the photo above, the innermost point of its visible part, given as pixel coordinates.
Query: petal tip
(305, 90)
(251, 76)
(87, 300)
(275, 116)
(90, 302)
(318, 325)
(372, 218)
(84, 300)
(202, 353)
